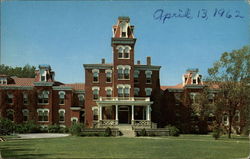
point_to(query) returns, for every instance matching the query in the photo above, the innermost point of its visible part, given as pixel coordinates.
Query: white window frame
(148, 89)
(43, 110)
(59, 113)
(98, 92)
(93, 73)
(24, 111)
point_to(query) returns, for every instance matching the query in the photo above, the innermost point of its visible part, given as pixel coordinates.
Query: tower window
(123, 34)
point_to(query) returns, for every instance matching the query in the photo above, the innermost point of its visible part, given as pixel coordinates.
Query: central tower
(123, 42)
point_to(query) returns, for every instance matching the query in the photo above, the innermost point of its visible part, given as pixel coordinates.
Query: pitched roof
(178, 86)
(76, 86)
(22, 82)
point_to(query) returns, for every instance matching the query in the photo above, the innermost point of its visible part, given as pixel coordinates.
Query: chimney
(103, 60)
(148, 60)
(138, 62)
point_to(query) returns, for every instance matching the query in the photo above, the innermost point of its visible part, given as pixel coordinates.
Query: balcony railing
(124, 99)
(141, 124)
(107, 123)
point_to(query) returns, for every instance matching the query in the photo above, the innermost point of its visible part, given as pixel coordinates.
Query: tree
(231, 74)
(26, 72)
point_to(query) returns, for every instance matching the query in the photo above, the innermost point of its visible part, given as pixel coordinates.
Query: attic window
(123, 34)
(194, 81)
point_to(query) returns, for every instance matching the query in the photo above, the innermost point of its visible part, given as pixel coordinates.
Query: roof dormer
(192, 77)
(45, 74)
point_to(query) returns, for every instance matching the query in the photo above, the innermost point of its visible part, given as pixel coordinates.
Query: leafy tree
(231, 74)
(26, 72)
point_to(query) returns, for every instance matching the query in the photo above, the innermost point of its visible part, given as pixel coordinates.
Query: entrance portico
(124, 110)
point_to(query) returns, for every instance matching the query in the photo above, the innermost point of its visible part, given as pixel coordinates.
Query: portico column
(147, 111)
(116, 112)
(132, 118)
(100, 113)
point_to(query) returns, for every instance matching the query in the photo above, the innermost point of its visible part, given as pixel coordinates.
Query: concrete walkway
(41, 135)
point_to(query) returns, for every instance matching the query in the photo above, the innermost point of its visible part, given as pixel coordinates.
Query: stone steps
(126, 130)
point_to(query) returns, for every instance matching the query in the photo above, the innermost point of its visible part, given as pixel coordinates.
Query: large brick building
(121, 92)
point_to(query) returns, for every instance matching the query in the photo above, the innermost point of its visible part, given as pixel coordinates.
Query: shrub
(54, 128)
(6, 126)
(76, 129)
(108, 132)
(92, 134)
(143, 132)
(173, 131)
(216, 133)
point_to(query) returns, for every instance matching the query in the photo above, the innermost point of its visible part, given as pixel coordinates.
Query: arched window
(95, 92)
(61, 97)
(148, 91)
(61, 115)
(136, 91)
(43, 115)
(74, 120)
(108, 75)
(95, 75)
(43, 97)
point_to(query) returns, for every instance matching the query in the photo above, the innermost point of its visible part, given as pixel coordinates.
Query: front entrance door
(123, 115)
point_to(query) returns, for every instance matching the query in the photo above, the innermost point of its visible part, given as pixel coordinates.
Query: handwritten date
(163, 16)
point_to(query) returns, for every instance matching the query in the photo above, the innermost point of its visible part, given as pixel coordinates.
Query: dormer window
(124, 34)
(194, 81)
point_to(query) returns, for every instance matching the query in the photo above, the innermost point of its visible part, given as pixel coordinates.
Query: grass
(184, 147)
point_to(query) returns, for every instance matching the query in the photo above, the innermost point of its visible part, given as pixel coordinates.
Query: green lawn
(183, 147)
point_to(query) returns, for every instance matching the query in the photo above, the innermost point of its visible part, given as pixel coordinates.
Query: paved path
(41, 135)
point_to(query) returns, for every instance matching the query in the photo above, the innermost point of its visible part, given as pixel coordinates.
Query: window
(61, 115)
(126, 92)
(25, 115)
(74, 120)
(148, 76)
(10, 98)
(43, 115)
(123, 72)
(95, 75)
(81, 99)
(148, 91)
(136, 76)
(120, 92)
(95, 113)
(211, 98)
(237, 116)
(123, 34)
(123, 90)
(61, 97)
(95, 92)
(194, 81)
(25, 99)
(43, 97)
(10, 114)
(120, 73)
(126, 73)
(225, 119)
(193, 97)
(43, 78)
(108, 91)
(136, 91)
(108, 76)
(123, 51)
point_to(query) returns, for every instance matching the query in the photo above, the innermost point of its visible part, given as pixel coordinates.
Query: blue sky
(68, 34)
